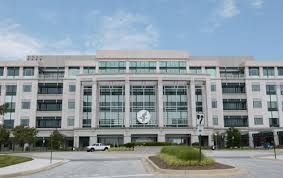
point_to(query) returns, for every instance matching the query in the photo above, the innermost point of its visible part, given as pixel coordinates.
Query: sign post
(200, 127)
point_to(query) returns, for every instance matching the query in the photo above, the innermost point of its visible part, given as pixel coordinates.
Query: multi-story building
(122, 96)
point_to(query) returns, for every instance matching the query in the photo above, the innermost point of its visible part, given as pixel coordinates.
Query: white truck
(97, 147)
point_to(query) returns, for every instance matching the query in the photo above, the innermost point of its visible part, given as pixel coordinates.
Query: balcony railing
(51, 76)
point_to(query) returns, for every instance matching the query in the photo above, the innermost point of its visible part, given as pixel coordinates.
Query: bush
(196, 144)
(133, 144)
(233, 138)
(183, 156)
(185, 153)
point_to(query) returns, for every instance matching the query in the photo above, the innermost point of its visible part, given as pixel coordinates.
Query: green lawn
(7, 160)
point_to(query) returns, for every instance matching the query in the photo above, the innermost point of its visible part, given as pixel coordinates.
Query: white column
(78, 116)
(193, 103)
(127, 103)
(208, 114)
(94, 118)
(92, 140)
(76, 141)
(161, 137)
(160, 103)
(251, 141)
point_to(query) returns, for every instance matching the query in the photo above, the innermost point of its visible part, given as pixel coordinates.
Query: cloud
(257, 3)
(14, 43)
(229, 9)
(122, 30)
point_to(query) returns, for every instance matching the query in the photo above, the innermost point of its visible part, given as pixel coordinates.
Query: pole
(51, 145)
(199, 148)
(274, 149)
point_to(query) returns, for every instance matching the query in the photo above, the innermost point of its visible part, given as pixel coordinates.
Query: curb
(152, 167)
(24, 173)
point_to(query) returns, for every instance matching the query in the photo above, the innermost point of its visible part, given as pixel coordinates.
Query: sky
(201, 27)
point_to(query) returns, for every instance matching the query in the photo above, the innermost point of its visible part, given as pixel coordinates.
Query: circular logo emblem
(143, 116)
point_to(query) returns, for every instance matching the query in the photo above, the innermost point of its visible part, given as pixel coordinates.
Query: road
(119, 165)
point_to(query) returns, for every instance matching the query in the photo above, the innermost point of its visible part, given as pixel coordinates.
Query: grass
(121, 148)
(8, 160)
(183, 156)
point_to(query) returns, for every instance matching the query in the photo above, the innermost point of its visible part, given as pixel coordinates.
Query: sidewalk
(30, 167)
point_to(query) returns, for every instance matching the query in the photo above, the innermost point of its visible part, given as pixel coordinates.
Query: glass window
(253, 71)
(1, 71)
(142, 66)
(11, 90)
(28, 71)
(236, 121)
(49, 105)
(268, 71)
(257, 103)
(258, 120)
(195, 70)
(174, 67)
(25, 104)
(72, 88)
(215, 120)
(214, 104)
(74, 71)
(271, 89)
(255, 87)
(71, 104)
(71, 121)
(211, 71)
(9, 124)
(233, 88)
(272, 106)
(213, 88)
(48, 122)
(26, 88)
(89, 70)
(280, 71)
(112, 66)
(25, 122)
(50, 88)
(13, 71)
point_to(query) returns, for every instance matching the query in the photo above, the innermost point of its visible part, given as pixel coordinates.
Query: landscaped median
(8, 160)
(185, 160)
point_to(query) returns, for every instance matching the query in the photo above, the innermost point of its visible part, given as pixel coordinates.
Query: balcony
(51, 76)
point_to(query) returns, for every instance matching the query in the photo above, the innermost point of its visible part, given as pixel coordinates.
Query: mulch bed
(163, 165)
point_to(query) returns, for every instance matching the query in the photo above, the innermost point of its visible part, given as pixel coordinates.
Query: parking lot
(130, 164)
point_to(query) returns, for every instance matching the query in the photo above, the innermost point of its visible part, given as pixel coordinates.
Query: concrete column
(94, 118)
(210, 140)
(160, 103)
(78, 97)
(76, 141)
(276, 138)
(92, 140)
(194, 139)
(157, 67)
(208, 114)
(127, 138)
(127, 66)
(251, 140)
(161, 138)
(193, 103)
(127, 103)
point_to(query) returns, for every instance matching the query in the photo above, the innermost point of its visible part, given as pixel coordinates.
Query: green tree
(3, 109)
(4, 136)
(24, 135)
(56, 139)
(233, 138)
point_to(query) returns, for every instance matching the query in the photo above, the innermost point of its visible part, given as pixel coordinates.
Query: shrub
(185, 153)
(196, 144)
(133, 144)
(183, 156)
(233, 138)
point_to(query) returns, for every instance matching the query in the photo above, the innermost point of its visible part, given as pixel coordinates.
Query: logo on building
(143, 116)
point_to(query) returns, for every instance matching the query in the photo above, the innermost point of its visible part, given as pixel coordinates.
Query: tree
(4, 136)
(233, 138)
(57, 140)
(24, 135)
(3, 110)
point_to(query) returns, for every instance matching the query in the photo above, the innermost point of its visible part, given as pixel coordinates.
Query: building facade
(118, 97)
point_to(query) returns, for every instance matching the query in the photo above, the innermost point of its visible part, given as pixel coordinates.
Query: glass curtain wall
(199, 98)
(10, 100)
(142, 66)
(112, 67)
(87, 104)
(111, 105)
(174, 67)
(175, 106)
(143, 97)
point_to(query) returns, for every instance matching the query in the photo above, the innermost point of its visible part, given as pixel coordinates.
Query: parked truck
(97, 147)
